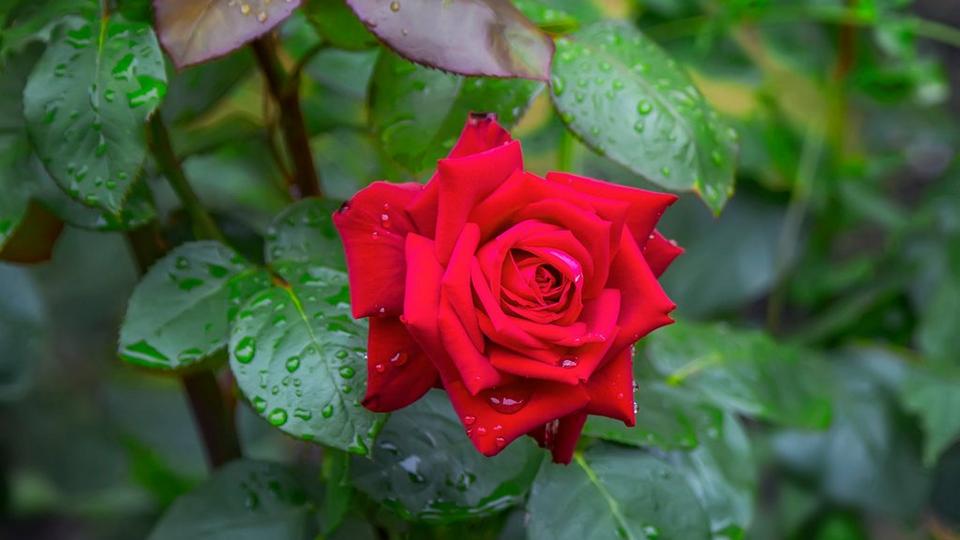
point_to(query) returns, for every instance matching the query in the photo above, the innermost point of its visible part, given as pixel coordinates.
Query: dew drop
(347, 372)
(278, 417)
(327, 411)
(293, 363)
(644, 107)
(246, 349)
(508, 400)
(394, 6)
(398, 359)
(469, 420)
(259, 404)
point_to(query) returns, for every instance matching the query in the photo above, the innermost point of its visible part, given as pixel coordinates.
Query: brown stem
(284, 89)
(212, 416)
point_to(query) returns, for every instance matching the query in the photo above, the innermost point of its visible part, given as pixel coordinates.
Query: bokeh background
(843, 237)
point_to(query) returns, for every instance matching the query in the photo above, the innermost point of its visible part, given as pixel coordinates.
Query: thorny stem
(204, 228)
(284, 88)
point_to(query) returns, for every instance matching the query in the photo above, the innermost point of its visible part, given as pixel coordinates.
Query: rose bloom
(521, 296)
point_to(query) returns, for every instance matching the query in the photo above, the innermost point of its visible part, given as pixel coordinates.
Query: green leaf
(299, 357)
(304, 232)
(418, 112)
(22, 325)
(609, 492)
(33, 21)
(195, 31)
(426, 469)
(193, 92)
(243, 500)
(743, 370)
(470, 37)
(178, 314)
(86, 103)
(667, 417)
(16, 191)
(722, 472)
(868, 458)
(627, 99)
(548, 18)
(339, 493)
(338, 25)
(138, 210)
(934, 396)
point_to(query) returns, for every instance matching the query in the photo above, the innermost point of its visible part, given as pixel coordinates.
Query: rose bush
(521, 296)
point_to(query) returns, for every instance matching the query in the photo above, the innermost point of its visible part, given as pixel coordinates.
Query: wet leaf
(722, 472)
(179, 313)
(418, 112)
(195, 31)
(470, 37)
(934, 395)
(630, 101)
(304, 232)
(243, 500)
(609, 492)
(300, 359)
(426, 469)
(338, 25)
(86, 103)
(667, 418)
(744, 371)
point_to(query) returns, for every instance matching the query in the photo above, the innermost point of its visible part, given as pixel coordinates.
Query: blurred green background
(843, 237)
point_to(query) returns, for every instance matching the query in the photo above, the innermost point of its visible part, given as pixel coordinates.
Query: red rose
(522, 296)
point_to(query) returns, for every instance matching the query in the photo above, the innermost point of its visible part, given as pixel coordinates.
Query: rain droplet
(347, 372)
(644, 107)
(568, 363)
(278, 417)
(293, 363)
(246, 349)
(508, 400)
(394, 6)
(327, 411)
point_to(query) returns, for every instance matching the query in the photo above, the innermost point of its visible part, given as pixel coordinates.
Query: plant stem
(285, 91)
(210, 412)
(212, 416)
(204, 228)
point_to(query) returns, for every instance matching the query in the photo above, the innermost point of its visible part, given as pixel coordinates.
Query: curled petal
(464, 182)
(398, 371)
(611, 388)
(565, 440)
(646, 207)
(474, 367)
(645, 306)
(660, 252)
(374, 246)
(481, 133)
(421, 309)
(491, 426)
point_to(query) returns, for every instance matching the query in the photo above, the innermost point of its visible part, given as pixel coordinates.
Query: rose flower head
(521, 296)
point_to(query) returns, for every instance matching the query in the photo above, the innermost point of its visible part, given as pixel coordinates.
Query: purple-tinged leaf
(470, 37)
(194, 31)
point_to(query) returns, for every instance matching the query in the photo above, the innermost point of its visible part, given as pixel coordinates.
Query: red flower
(522, 296)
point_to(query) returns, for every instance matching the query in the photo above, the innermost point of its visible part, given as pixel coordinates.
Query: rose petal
(474, 368)
(646, 207)
(611, 388)
(398, 371)
(566, 437)
(645, 306)
(464, 182)
(456, 283)
(491, 430)
(573, 362)
(481, 133)
(493, 321)
(374, 247)
(660, 252)
(421, 308)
